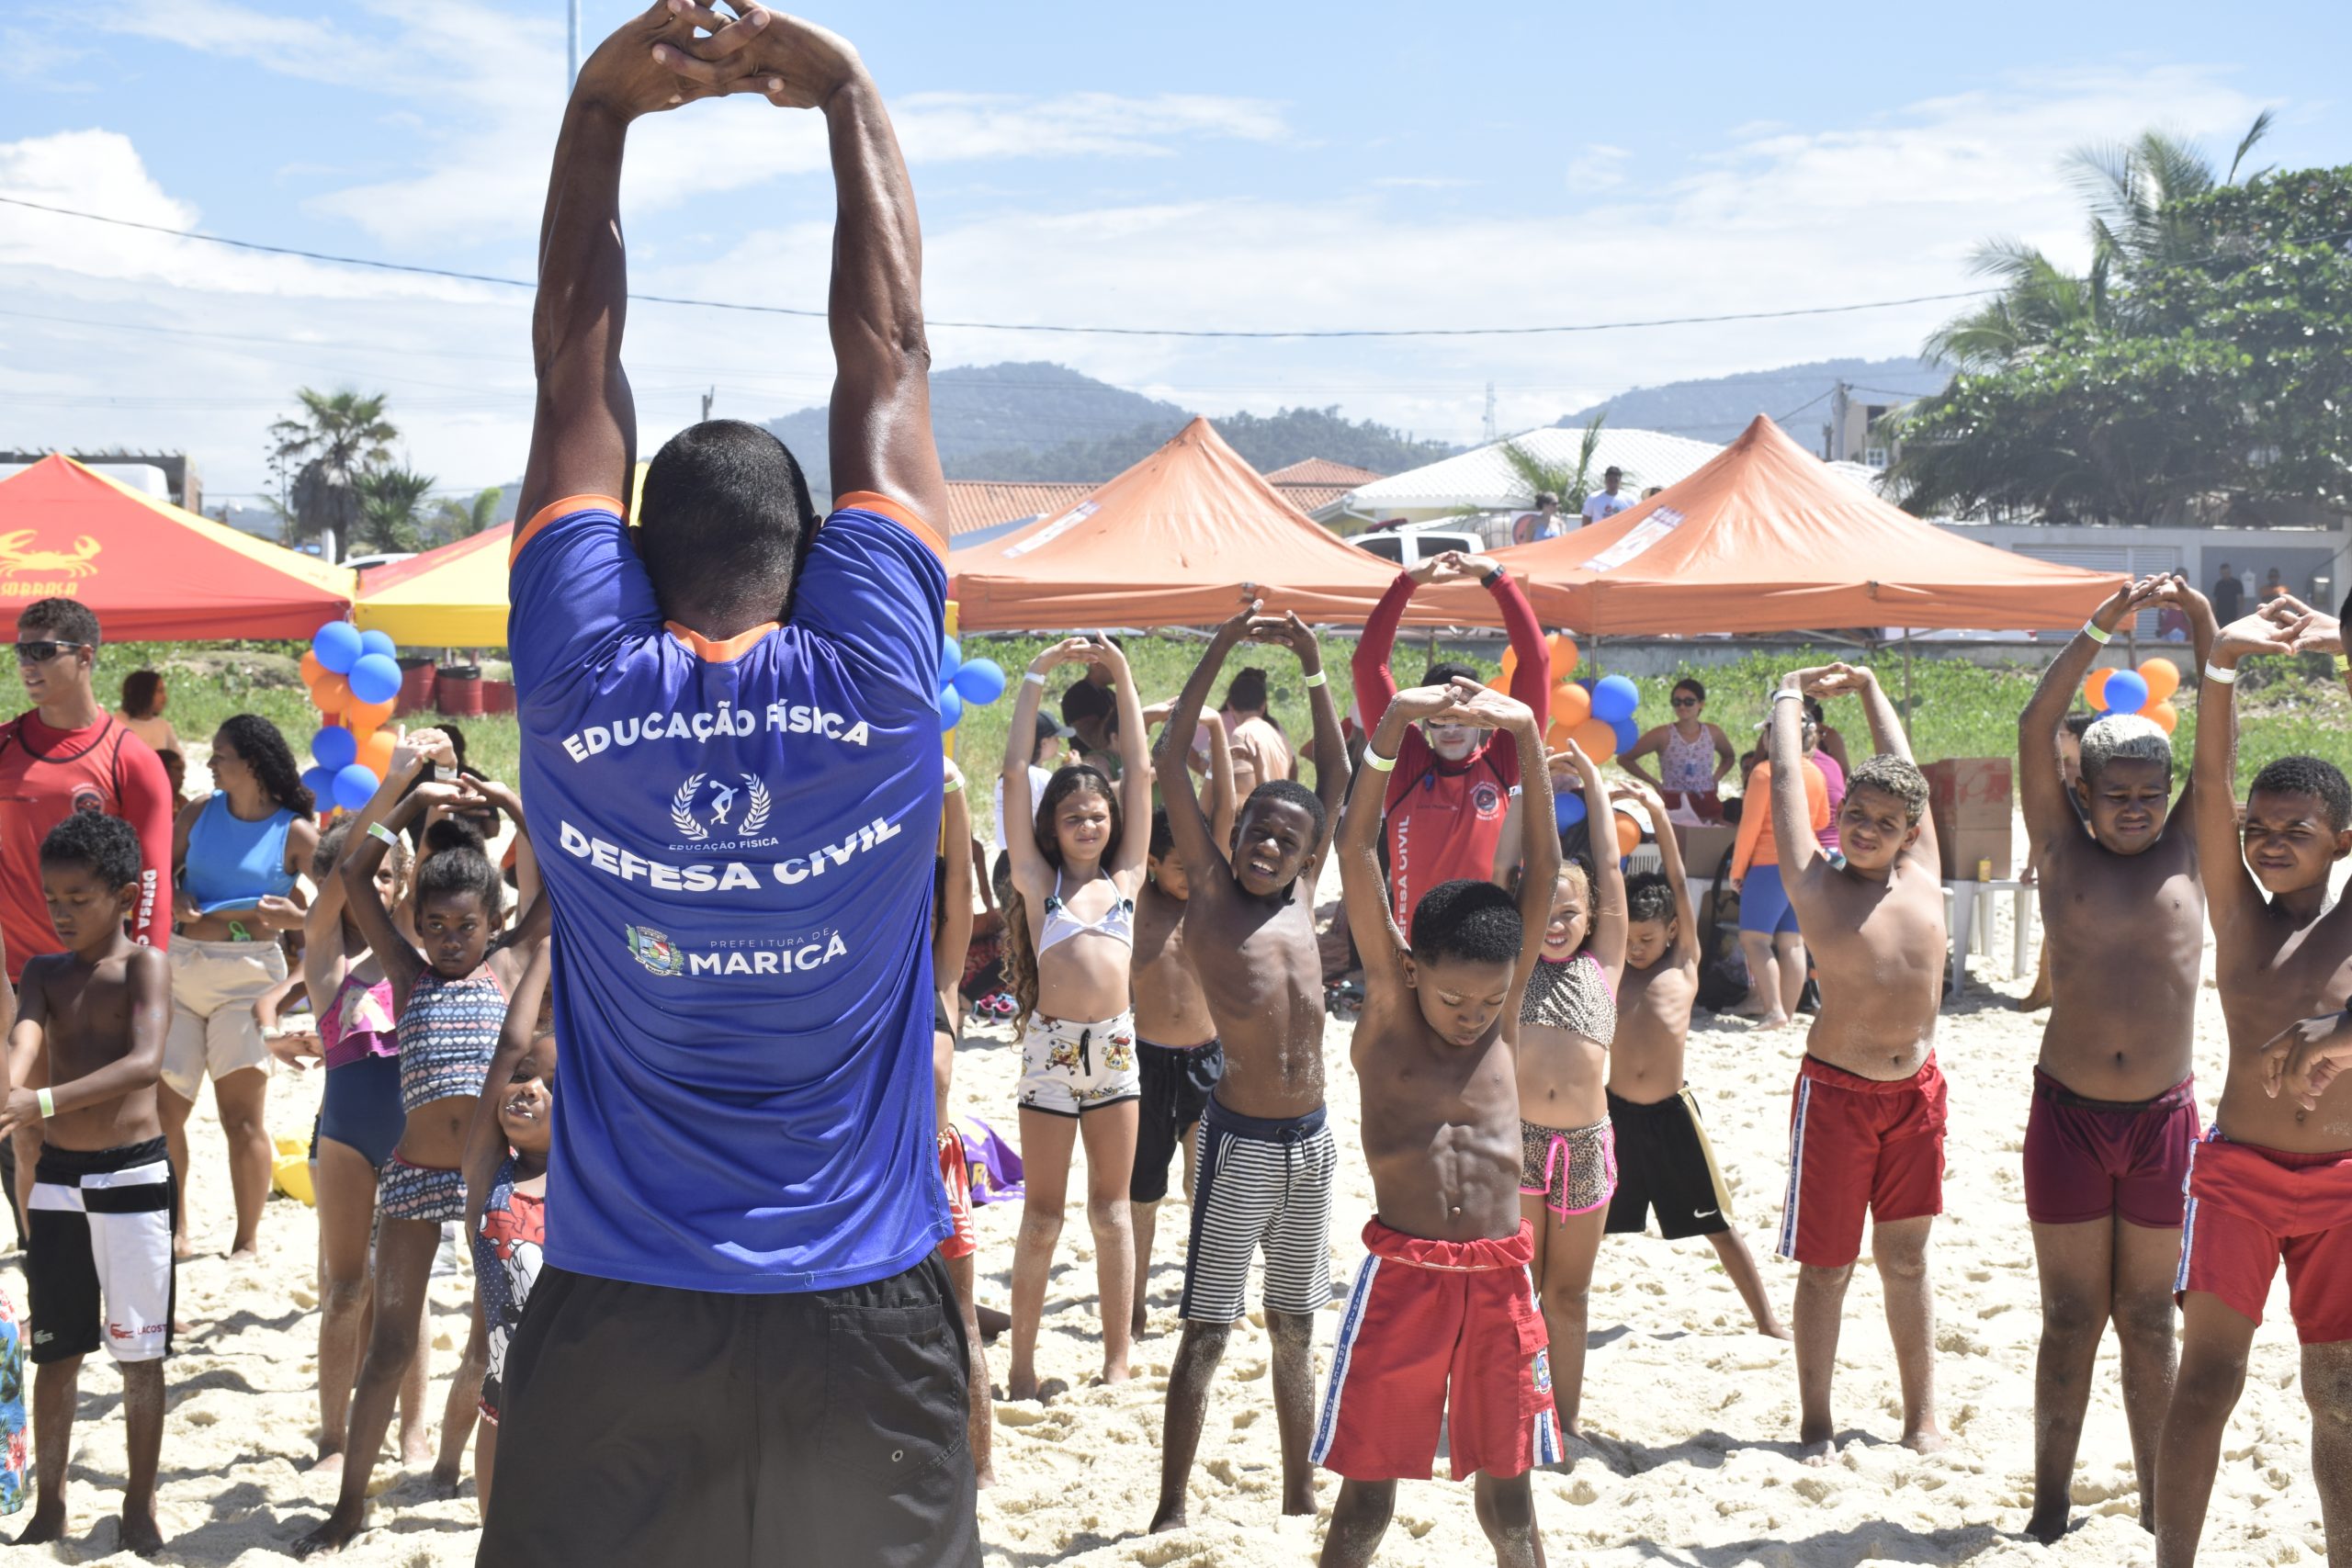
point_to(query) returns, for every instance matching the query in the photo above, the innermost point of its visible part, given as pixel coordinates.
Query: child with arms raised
(1566, 1020)
(1267, 1160)
(1178, 1052)
(1866, 1122)
(2272, 1180)
(1069, 933)
(1441, 1325)
(90, 1025)
(2114, 1114)
(1664, 1160)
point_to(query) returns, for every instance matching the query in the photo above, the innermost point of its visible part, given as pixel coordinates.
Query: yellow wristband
(48, 1104)
(1317, 678)
(1377, 763)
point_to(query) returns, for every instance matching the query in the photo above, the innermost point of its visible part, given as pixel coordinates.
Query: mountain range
(1796, 396)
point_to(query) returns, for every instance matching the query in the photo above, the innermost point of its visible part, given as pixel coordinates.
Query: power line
(1326, 333)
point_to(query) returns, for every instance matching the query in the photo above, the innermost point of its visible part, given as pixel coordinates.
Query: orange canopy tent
(1765, 538)
(1169, 543)
(152, 572)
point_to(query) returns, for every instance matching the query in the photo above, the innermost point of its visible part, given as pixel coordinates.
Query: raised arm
(1376, 682)
(1029, 869)
(2042, 793)
(1331, 745)
(2232, 895)
(1887, 725)
(1223, 804)
(1363, 888)
(1539, 849)
(361, 855)
(1792, 835)
(1685, 952)
(1607, 940)
(1203, 856)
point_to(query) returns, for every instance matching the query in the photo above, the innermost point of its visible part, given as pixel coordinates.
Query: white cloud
(1597, 167)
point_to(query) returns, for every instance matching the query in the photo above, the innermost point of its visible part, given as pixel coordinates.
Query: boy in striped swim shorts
(1441, 1327)
(1267, 1160)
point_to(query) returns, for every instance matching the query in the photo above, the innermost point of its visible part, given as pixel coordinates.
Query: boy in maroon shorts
(2272, 1182)
(2114, 1111)
(1441, 1326)
(1866, 1128)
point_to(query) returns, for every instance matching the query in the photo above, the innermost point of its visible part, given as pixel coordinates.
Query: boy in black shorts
(1664, 1161)
(84, 1058)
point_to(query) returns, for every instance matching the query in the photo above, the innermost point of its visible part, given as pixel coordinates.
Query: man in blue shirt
(743, 1348)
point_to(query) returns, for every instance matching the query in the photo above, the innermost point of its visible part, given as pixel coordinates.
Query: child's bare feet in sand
(140, 1535)
(1816, 1447)
(328, 1464)
(1928, 1440)
(47, 1524)
(332, 1535)
(446, 1483)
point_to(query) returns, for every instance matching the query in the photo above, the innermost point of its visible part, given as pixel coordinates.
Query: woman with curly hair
(235, 856)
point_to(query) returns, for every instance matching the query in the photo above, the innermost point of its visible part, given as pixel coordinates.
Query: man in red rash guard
(70, 754)
(1451, 786)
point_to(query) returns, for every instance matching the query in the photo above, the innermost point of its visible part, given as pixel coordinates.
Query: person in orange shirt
(1768, 923)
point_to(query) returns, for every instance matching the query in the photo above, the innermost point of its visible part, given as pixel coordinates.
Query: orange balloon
(376, 751)
(1597, 738)
(362, 718)
(1629, 833)
(1564, 655)
(1571, 704)
(2163, 677)
(2163, 713)
(1510, 665)
(2095, 689)
(312, 669)
(332, 693)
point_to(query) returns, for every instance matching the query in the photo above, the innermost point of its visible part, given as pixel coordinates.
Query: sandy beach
(1692, 1415)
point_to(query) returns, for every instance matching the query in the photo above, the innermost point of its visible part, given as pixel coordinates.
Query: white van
(1407, 548)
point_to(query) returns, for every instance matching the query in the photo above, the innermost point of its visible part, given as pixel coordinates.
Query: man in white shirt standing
(1605, 503)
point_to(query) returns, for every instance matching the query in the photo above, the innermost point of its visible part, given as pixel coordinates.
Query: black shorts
(1176, 1084)
(647, 1425)
(1664, 1162)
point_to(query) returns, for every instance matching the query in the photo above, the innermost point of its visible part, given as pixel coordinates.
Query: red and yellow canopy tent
(1763, 538)
(152, 572)
(1169, 543)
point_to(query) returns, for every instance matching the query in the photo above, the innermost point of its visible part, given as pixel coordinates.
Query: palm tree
(336, 439)
(453, 519)
(389, 499)
(1570, 481)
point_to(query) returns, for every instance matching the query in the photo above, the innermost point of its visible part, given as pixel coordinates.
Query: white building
(1483, 480)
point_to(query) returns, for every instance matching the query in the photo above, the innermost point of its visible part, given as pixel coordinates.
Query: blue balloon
(337, 646)
(335, 749)
(1627, 733)
(355, 786)
(375, 678)
(379, 642)
(2127, 692)
(951, 659)
(319, 782)
(951, 709)
(1568, 807)
(981, 681)
(1614, 698)
(1587, 682)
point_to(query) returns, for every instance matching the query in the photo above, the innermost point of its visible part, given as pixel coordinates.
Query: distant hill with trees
(1719, 408)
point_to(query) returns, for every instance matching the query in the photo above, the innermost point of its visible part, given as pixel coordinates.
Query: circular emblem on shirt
(86, 799)
(1486, 800)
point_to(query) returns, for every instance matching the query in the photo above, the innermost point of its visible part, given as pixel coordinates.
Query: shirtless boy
(2273, 1180)
(1664, 1160)
(1442, 1323)
(1177, 1053)
(2114, 1108)
(1267, 1160)
(1866, 1123)
(90, 1026)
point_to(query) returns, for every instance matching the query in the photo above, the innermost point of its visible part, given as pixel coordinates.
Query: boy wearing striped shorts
(1441, 1327)
(1267, 1160)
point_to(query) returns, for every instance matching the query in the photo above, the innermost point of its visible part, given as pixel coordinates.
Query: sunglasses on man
(42, 652)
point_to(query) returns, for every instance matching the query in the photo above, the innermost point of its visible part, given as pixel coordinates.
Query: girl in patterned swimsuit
(1568, 1168)
(451, 1001)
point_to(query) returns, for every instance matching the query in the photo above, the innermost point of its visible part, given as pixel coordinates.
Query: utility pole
(1838, 401)
(708, 399)
(1490, 413)
(571, 75)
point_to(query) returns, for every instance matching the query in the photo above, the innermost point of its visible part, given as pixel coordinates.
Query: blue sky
(1265, 167)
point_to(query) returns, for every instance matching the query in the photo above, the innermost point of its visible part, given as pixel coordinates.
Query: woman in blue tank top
(234, 855)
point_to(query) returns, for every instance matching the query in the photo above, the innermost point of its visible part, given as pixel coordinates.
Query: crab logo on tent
(16, 556)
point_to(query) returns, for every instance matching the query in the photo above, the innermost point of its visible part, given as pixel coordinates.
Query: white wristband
(1033, 679)
(1319, 678)
(1788, 691)
(1377, 763)
(378, 832)
(2091, 631)
(2220, 676)
(48, 1104)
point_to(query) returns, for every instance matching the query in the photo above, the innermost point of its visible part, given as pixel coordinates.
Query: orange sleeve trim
(904, 516)
(553, 510)
(1753, 824)
(726, 652)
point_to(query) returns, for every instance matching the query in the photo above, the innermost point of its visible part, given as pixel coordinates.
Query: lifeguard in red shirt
(1452, 785)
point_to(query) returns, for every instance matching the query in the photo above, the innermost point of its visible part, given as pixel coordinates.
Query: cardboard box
(1703, 848)
(1972, 791)
(1962, 848)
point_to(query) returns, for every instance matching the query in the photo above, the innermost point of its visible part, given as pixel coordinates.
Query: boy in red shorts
(2272, 1180)
(1441, 1326)
(1866, 1127)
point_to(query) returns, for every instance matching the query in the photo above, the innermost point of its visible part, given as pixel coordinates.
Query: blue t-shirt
(738, 842)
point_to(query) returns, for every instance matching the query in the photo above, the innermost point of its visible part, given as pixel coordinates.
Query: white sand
(1693, 1415)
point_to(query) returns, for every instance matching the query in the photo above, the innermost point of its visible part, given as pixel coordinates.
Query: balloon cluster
(965, 683)
(2146, 691)
(354, 680)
